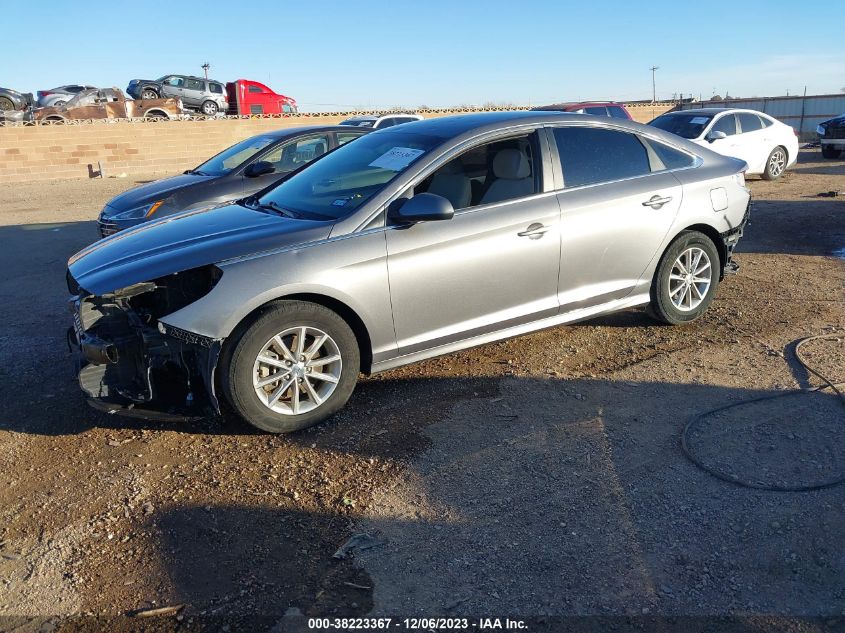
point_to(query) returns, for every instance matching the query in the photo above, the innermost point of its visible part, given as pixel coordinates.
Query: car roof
(576, 104)
(455, 125)
(712, 111)
(289, 132)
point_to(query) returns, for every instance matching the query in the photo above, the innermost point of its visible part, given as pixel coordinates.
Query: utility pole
(205, 67)
(653, 85)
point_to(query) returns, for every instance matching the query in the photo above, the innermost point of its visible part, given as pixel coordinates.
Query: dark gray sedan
(236, 172)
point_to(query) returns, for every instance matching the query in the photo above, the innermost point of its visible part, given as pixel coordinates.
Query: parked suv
(832, 136)
(206, 95)
(596, 108)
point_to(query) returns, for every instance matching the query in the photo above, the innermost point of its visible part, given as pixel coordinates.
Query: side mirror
(423, 207)
(259, 168)
(715, 136)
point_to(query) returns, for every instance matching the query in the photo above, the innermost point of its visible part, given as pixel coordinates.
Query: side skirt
(518, 330)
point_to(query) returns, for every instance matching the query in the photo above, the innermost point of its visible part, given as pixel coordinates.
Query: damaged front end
(133, 363)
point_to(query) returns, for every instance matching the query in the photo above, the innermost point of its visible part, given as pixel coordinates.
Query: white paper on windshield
(396, 159)
(699, 120)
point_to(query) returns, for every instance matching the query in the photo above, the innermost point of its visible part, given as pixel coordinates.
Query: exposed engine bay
(131, 361)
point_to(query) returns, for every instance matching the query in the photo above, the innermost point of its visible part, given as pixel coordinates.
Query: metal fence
(803, 113)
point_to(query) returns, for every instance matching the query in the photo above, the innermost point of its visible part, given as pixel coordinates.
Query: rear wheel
(830, 152)
(775, 164)
(295, 365)
(6, 104)
(209, 108)
(149, 93)
(686, 279)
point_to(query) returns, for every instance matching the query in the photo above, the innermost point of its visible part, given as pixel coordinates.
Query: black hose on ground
(828, 384)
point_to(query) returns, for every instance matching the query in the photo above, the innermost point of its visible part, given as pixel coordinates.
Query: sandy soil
(537, 476)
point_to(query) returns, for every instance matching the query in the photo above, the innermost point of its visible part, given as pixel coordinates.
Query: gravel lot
(537, 476)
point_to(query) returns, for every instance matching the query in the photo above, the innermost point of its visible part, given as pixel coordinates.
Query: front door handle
(534, 231)
(655, 202)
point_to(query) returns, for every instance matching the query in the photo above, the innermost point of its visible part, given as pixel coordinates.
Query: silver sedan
(412, 242)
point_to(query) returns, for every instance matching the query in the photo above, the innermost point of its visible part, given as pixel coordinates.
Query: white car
(768, 146)
(380, 121)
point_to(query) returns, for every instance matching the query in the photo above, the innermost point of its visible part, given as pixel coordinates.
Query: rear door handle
(534, 231)
(655, 202)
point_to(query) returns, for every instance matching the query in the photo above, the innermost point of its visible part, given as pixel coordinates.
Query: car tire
(209, 108)
(830, 152)
(676, 298)
(6, 104)
(149, 93)
(59, 103)
(298, 398)
(775, 164)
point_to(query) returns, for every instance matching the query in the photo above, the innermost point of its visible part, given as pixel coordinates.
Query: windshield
(686, 125)
(235, 156)
(345, 179)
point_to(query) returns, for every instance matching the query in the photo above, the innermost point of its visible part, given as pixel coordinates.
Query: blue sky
(330, 55)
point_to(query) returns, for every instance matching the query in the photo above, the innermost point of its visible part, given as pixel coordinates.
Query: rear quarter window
(216, 88)
(670, 157)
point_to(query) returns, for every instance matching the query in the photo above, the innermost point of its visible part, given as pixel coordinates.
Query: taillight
(44, 93)
(794, 131)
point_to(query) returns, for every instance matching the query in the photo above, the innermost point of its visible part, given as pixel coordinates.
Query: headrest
(511, 164)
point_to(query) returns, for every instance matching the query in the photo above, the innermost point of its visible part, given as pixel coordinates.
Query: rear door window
(591, 155)
(749, 122)
(617, 112)
(596, 110)
(345, 137)
(294, 154)
(194, 84)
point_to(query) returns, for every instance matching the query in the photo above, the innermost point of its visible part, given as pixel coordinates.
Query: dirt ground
(540, 476)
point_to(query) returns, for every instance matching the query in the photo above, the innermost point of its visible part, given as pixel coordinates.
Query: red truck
(251, 97)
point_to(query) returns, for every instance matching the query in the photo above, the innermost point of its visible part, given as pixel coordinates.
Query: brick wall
(54, 152)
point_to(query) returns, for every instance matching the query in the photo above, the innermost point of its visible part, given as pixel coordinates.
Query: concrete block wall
(56, 152)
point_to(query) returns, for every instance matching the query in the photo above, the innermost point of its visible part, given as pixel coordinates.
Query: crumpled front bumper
(140, 369)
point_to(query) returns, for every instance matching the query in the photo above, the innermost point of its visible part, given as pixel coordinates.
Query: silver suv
(197, 93)
(411, 242)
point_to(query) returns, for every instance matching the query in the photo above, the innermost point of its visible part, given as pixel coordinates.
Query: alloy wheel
(690, 279)
(777, 163)
(297, 370)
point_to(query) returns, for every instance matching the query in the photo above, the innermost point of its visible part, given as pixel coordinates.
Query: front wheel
(209, 108)
(295, 365)
(686, 279)
(775, 164)
(6, 104)
(828, 151)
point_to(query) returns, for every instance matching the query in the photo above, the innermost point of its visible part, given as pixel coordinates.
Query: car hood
(836, 121)
(151, 192)
(184, 241)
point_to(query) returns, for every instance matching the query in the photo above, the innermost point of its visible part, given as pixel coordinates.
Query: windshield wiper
(251, 202)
